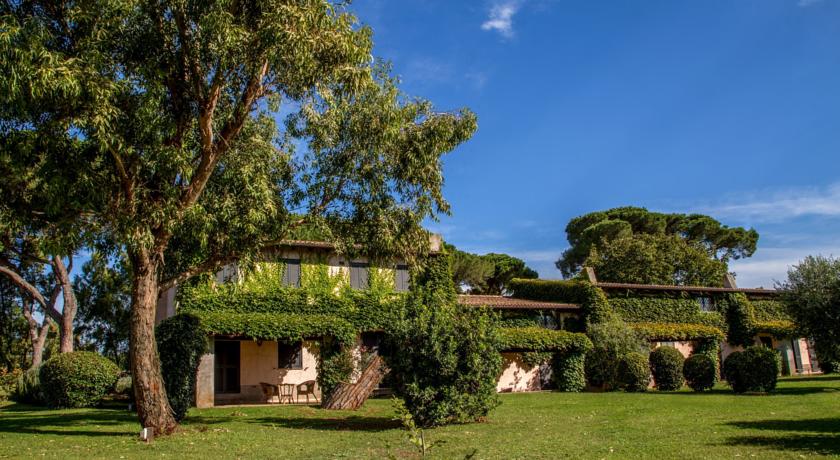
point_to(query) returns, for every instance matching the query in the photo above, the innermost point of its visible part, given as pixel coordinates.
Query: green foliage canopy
(160, 118)
(487, 274)
(813, 293)
(591, 230)
(655, 259)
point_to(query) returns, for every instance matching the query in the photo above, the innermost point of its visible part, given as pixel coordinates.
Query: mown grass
(802, 419)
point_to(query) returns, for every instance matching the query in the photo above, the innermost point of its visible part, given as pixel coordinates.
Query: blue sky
(730, 108)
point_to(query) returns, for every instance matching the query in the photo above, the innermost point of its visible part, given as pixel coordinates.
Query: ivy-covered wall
(664, 310)
(667, 316)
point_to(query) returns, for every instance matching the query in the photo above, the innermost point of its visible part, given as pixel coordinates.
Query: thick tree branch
(216, 147)
(11, 272)
(211, 264)
(62, 277)
(125, 180)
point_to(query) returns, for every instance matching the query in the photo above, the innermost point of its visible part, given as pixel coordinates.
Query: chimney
(729, 281)
(590, 273)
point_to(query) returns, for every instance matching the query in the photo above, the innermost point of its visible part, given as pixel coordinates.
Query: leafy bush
(666, 364)
(8, 383)
(78, 379)
(444, 358)
(445, 363)
(28, 388)
(124, 386)
(700, 372)
(181, 341)
(634, 372)
(611, 340)
(754, 369)
(335, 365)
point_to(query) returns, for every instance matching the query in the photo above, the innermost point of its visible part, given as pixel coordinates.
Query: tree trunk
(40, 339)
(353, 395)
(68, 312)
(37, 333)
(149, 393)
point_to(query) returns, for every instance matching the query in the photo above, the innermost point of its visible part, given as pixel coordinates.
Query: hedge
(566, 291)
(280, 327)
(677, 331)
(541, 339)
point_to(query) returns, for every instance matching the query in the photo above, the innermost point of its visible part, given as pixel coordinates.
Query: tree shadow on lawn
(30, 420)
(825, 440)
(350, 423)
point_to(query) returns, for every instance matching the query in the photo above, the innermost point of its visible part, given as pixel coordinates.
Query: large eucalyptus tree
(165, 114)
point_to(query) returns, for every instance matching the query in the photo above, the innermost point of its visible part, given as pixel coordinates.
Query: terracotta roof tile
(664, 287)
(509, 303)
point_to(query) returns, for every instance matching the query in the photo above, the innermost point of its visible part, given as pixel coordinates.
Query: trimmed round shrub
(78, 379)
(735, 370)
(754, 369)
(700, 372)
(181, 341)
(634, 372)
(666, 364)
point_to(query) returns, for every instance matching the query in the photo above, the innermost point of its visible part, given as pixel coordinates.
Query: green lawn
(802, 419)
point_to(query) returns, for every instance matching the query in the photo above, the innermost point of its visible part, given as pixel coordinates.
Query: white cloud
(781, 205)
(807, 3)
(769, 265)
(501, 18)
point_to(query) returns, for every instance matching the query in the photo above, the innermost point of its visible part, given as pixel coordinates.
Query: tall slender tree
(164, 113)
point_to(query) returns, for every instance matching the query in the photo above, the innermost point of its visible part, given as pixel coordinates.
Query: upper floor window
(289, 355)
(359, 275)
(401, 278)
(291, 272)
(707, 304)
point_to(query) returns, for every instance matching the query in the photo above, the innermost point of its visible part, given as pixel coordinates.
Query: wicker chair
(307, 389)
(269, 391)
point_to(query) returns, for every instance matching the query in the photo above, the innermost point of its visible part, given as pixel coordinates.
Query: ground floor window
(289, 355)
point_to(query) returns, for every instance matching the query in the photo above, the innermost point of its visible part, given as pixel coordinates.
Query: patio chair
(269, 391)
(287, 391)
(307, 389)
